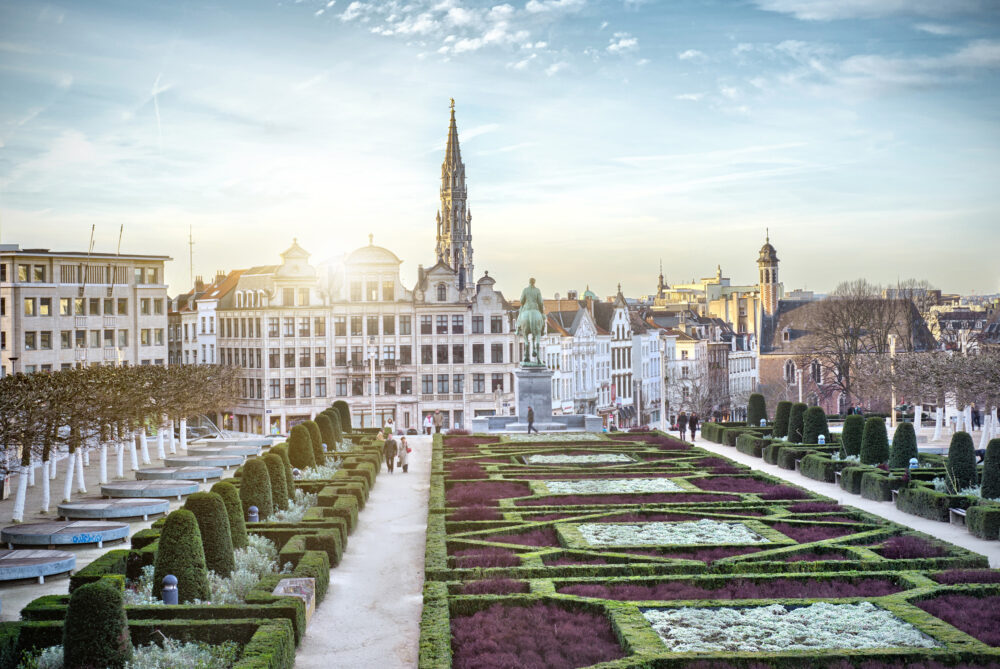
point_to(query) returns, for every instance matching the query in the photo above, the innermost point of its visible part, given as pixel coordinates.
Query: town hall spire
(454, 220)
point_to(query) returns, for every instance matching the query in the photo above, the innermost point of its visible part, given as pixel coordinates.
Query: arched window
(239, 300)
(789, 371)
(442, 292)
(260, 298)
(816, 371)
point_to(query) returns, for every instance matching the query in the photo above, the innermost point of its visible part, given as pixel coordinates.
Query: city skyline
(606, 135)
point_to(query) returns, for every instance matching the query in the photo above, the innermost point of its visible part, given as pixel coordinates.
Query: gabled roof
(221, 288)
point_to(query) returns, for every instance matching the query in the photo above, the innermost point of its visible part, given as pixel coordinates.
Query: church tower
(454, 220)
(770, 288)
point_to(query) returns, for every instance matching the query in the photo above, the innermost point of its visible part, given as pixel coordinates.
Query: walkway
(371, 615)
(945, 531)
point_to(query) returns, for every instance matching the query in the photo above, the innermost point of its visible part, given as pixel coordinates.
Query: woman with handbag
(403, 457)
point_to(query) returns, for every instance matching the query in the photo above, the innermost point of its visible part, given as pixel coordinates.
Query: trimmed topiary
(345, 414)
(850, 437)
(781, 415)
(276, 473)
(874, 442)
(338, 427)
(813, 425)
(904, 446)
(795, 419)
(213, 524)
(230, 496)
(991, 470)
(95, 633)
(281, 450)
(300, 450)
(316, 439)
(179, 552)
(961, 465)
(255, 488)
(326, 431)
(756, 410)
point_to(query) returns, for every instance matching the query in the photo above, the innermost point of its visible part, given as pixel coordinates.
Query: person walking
(531, 421)
(403, 457)
(390, 453)
(389, 427)
(428, 424)
(976, 419)
(682, 423)
(438, 421)
(693, 423)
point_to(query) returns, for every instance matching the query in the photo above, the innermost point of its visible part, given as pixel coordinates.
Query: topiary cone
(316, 439)
(230, 496)
(781, 414)
(281, 450)
(904, 446)
(795, 419)
(345, 415)
(300, 451)
(255, 488)
(326, 431)
(756, 410)
(991, 470)
(961, 465)
(276, 474)
(338, 428)
(874, 442)
(813, 425)
(95, 632)
(850, 437)
(213, 523)
(179, 552)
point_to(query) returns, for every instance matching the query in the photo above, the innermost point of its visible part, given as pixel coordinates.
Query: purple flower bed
(550, 516)
(545, 536)
(570, 500)
(976, 616)
(476, 513)
(606, 475)
(765, 489)
(664, 443)
(782, 588)
(465, 469)
(953, 576)
(844, 664)
(532, 637)
(484, 494)
(494, 586)
(486, 557)
(703, 554)
(571, 560)
(649, 517)
(805, 534)
(815, 507)
(906, 547)
(812, 556)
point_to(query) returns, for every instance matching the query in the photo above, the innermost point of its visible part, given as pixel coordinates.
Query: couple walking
(396, 454)
(684, 422)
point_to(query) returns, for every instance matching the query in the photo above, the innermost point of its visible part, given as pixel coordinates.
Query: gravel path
(371, 615)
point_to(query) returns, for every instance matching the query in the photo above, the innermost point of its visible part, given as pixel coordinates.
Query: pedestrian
(682, 423)
(390, 453)
(403, 455)
(390, 427)
(438, 421)
(380, 436)
(693, 423)
(428, 424)
(531, 420)
(976, 421)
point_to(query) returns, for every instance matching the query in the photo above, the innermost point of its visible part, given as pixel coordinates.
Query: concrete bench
(956, 517)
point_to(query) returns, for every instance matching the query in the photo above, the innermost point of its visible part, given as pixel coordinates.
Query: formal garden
(229, 579)
(640, 550)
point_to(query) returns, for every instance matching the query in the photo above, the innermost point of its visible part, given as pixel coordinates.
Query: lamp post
(663, 385)
(892, 365)
(372, 352)
(798, 379)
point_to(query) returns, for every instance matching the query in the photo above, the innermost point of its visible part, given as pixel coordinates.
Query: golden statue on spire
(452, 106)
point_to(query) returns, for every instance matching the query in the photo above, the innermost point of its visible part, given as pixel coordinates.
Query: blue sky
(599, 135)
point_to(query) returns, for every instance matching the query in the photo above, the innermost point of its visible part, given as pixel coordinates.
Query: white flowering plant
(602, 486)
(688, 533)
(592, 459)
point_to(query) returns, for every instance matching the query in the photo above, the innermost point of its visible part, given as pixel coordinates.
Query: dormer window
(442, 292)
(786, 335)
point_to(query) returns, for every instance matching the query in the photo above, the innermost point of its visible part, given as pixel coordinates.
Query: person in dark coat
(531, 420)
(682, 423)
(390, 454)
(693, 423)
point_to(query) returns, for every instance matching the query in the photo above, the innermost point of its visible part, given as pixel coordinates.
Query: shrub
(545, 536)
(300, 450)
(179, 552)
(983, 521)
(953, 576)
(850, 478)
(815, 507)
(813, 425)
(781, 415)
(344, 412)
(213, 525)
(906, 547)
(336, 426)
(805, 534)
(778, 588)
(95, 633)
(756, 410)
(494, 586)
(928, 503)
(281, 450)
(486, 557)
(874, 442)
(991, 470)
(850, 437)
(961, 465)
(234, 511)
(795, 418)
(326, 432)
(276, 475)
(976, 616)
(904, 446)
(478, 494)
(316, 440)
(255, 488)
(878, 485)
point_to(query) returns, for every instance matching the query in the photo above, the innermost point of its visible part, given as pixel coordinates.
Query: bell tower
(767, 265)
(454, 219)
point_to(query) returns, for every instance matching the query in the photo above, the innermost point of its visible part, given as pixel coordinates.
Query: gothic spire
(454, 236)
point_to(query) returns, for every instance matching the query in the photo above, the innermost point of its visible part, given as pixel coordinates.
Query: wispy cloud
(940, 29)
(828, 10)
(622, 42)
(693, 97)
(691, 54)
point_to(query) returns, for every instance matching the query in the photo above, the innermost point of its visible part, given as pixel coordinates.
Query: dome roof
(589, 293)
(767, 252)
(372, 255)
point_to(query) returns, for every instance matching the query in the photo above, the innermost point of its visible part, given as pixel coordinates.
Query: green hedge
(271, 647)
(927, 503)
(821, 467)
(850, 478)
(756, 410)
(112, 562)
(878, 485)
(752, 444)
(961, 461)
(852, 433)
(781, 415)
(983, 521)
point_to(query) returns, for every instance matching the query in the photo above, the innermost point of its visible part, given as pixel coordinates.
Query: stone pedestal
(533, 388)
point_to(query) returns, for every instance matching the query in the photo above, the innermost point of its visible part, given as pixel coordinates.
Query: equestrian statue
(531, 323)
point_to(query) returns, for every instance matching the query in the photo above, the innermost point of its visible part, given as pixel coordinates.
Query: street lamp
(663, 384)
(372, 352)
(892, 363)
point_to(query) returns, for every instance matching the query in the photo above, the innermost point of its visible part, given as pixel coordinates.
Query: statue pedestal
(533, 388)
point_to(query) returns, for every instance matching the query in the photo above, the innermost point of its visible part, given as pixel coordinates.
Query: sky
(600, 137)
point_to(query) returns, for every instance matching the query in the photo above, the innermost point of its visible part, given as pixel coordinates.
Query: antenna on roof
(191, 255)
(121, 231)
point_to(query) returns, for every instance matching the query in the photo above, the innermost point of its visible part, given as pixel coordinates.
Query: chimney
(590, 305)
(571, 295)
(220, 275)
(420, 275)
(199, 284)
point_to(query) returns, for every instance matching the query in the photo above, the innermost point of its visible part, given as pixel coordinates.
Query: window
(305, 388)
(30, 306)
(442, 324)
(305, 357)
(479, 383)
(340, 356)
(405, 325)
(320, 386)
(288, 326)
(457, 324)
(272, 326)
(388, 290)
(81, 338)
(158, 310)
(816, 371)
(406, 385)
(123, 306)
(303, 299)
(496, 324)
(319, 326)
(122, 338)
(389, 353)
(95, 306)
(442, 384)
(785, 335)
(372, 287)
(341, 387)
(145, 307)
(442, 354)
(426, 326)
(158, 337)
(274, 358)
(426, 354)
(288, 297)
(355, 291)
(388, 324)
(45, 306)
(340, 326)
(38, 273)
(356, 356)
(243, 328)
(496, 383)
(458, 353)
(274, 389)
(289, 357)
(684, 355)
(65, 307)
(427, 384)
(356, 326)
(442, 292)
(406, 354)
(66, 339)
(30, 341)
(79, 306)
(3, 271)
(496, 352)
(357, 387)
(304, 327)
(95, 339)
(458, 384)
(371, 323)
(478, 356)
(109, 339)
(789, 371)
(390, 386)
(319, 355)
(289, 388)
(477, 325)
(45, 340)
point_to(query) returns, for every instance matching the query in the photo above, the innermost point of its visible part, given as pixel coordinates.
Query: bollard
(252, 515)
(324, 448)
(763, 422)
(821, 439)
(296, 473)
(914, 463)
(169, 590)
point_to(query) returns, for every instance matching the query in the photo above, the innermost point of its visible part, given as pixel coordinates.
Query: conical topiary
(213, 524)
(345, 415)
(813, 425)
(961, 465)
(874, 442)
(179, 552)
(255, 488)
(276, 474)
(326, 431)
(316, 439)
(781, 415)
(850, 437)
(95, 632)
(230, 496)
(300, 451)
(991, 470)
(904, 446)
(281, 450)
(756, 410)
(338, 428)
(795, 419)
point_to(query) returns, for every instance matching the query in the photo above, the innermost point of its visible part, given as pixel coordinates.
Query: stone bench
(132, 489)
(21, 564)
(113, 508)
(63, 533)
(956, 517)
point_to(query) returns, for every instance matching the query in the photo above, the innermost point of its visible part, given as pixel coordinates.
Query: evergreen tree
(345, 415)
(991, 470)
(300, 450)
(316, 439)
(213, 523)
(255, 488)
(874, 442)
(230, 496)
(95, 632)
(781, 416)
(813, 425)
(850, 437)
(961, 465)
(179, 552)
(904, 446)
(795, 420)
(756, 410)
(276, 475)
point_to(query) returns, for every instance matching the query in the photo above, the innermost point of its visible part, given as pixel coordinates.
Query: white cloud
(556, 68)
(691, 54)
(622, 43)
(874, 71)
(827, 10)
(730, 92)
(937, 29)
(536, 6)
(692, 97)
